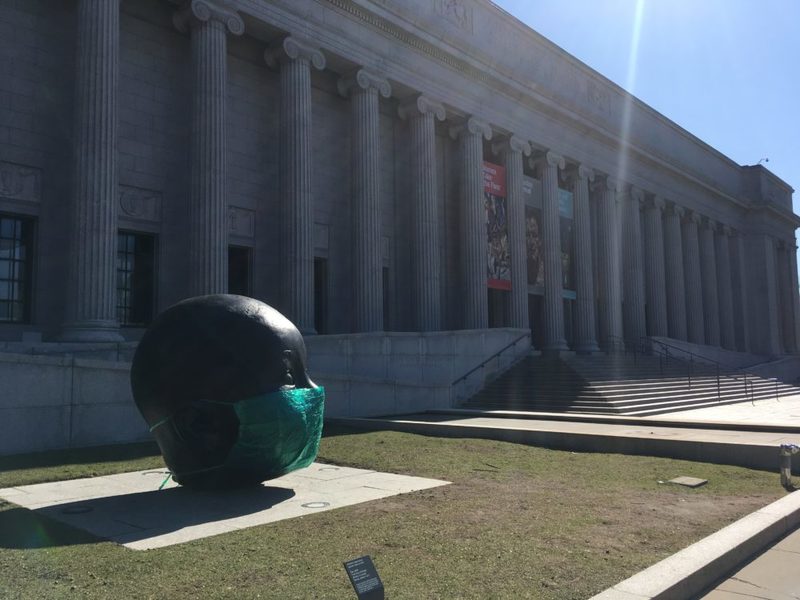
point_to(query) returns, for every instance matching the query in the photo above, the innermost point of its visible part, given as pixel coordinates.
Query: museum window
(16, 264)
(136, 254)
(240, 279)
(321, 295)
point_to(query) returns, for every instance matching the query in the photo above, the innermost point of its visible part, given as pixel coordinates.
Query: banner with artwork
(567, 226)
(499, 256)
(533, 230)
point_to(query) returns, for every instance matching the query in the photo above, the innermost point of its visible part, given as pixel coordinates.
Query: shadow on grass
(79, 456)
(131, 517)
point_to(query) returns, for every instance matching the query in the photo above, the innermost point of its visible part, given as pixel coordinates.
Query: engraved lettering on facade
(18, 182)
(456, 12)
(597, 96)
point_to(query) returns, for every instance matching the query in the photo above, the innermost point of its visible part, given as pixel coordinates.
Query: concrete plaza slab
(129, 508)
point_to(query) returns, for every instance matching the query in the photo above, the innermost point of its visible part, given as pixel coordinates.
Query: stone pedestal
(364, 88)
(549, 163)
(296, 57)
(609, 274)
(425, 261)
(585, 342)
(695, 322)
(655, 278)
(209, 23)
(708, 269)
(514, 148)
(92, 293)
(675, 286)
(473, 222)
(633, 285)
(725, 288)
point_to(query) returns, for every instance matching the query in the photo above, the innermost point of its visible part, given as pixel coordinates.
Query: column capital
(725, 230)
(676, 210)
(294, 48)
(513, 143)
(577, 172)
(694, 217)
(421, 105)
(658, 203)
(363, 80)
(637, 194)
(710, 223)
(605, 183)
(195, 12)
(474, 126)
(548, 158)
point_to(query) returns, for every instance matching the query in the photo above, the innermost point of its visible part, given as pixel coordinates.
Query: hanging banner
(533, 230)
(499, 256)
(567, 228)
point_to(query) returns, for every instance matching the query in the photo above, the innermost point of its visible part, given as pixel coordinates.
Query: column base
(587, 348)
(91, 331)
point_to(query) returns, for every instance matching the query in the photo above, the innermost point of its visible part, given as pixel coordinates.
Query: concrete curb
(752, 456)
(695, 569)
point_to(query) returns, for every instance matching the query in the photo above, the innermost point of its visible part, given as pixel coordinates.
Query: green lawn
(518, 522)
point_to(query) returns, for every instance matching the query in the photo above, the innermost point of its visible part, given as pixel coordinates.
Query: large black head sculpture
(221, 381)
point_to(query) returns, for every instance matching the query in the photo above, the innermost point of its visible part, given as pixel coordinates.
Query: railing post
(719, 395)
(691, 364)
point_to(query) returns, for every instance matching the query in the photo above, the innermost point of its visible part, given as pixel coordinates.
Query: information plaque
(364, 577)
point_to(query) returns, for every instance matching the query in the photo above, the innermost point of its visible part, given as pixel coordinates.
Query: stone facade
(337, 147)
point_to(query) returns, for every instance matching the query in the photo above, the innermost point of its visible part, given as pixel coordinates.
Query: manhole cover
(329, 469)
(316, 504)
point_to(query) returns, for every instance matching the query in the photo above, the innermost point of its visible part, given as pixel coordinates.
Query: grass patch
(518, 522)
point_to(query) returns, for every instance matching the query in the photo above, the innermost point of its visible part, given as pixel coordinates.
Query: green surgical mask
(278, 432)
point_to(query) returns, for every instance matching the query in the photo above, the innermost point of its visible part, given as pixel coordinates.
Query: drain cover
(316, 504)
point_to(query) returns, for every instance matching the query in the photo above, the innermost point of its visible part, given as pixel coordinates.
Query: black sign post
(364, 577)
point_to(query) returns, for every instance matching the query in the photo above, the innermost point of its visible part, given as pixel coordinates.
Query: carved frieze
(456, 12)
(18, 182)
(241, 222)
(139, 204)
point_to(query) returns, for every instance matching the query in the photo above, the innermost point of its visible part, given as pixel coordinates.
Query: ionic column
(633, 285)
(473, 222)
(695, 321)
(739, 282)
(585, 341)
(209, 23)
(725, 287)
(513, 149)
(795, 294)
(655, 277)
(549, 163)
(364, 88)
(708, 269)
(92, 293)
(673, 258)
(786, 298)
(421, 112)
(296, 58)
(609, 274)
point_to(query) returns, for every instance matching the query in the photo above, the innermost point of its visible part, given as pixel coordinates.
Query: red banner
(498, 264)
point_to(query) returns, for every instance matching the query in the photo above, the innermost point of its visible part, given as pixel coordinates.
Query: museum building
(364, 166)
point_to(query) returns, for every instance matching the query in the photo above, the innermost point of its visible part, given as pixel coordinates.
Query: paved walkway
(773, 575)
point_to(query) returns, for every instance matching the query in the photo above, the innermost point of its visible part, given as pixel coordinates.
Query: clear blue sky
(728, 71)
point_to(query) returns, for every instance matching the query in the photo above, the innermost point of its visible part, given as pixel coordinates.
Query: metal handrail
(492, 357)
(738, 375)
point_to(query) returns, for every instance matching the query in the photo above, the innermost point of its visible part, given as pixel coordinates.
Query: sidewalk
(772, 575)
